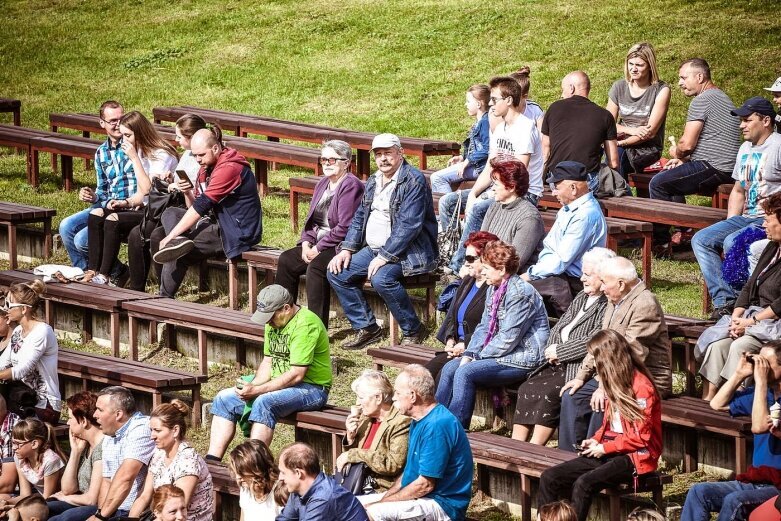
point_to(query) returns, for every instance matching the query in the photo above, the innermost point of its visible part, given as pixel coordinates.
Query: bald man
(223, 214)
(577, 129)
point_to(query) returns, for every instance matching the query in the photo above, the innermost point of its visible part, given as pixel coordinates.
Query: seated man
(8, 477)
(116, 182)
(736, 499)
(294, 375)
(393, 235)
(757, 174)
(775, 91)
(437, 480)
(633, 311)
(127, 450)
(223, 215)
(313, 495)
(579, 226)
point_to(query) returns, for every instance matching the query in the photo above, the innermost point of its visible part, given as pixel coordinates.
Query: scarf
(493, 322)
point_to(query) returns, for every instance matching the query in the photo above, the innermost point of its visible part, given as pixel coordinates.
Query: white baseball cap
(776, 87)
(386, 141)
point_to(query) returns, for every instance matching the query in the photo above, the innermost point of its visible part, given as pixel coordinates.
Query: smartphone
(183, 176)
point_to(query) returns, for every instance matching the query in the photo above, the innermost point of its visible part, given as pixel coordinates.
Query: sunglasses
(8, 306)
(330, 160)
(471, 258)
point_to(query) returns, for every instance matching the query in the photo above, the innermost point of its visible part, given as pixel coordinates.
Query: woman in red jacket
(629, 442)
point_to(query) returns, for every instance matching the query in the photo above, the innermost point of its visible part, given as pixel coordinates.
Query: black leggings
(318, 291)
(139, 253)
(105, 237)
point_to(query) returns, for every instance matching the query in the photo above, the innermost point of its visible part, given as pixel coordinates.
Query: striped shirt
(720, 137)
(132, 441)
(116, 177)
(6, 440)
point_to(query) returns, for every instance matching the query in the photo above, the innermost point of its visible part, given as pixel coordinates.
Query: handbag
(448, 239)
(158, 200)
(611, 184)
(20, 397)
(356, 478)
(642, 157)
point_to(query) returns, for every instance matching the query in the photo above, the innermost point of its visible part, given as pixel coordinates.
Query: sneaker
(178, 247)
(122, 278)
(663, 251)
(417, 338)
(364, 338)
(99, 279)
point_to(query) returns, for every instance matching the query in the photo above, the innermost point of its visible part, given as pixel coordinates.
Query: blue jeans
(441, 179)
(575, 423)
(458, 384)
(62, 511)
(73, 231)
(708, 245)
(733, 500)
(688, 178)
(270, 407)
(348, 285)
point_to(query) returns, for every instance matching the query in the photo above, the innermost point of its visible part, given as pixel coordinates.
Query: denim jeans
(73, 231)
(733, 500)
(348, 285)
(708, 245)
(62, 511)
(458, 384)
(576, 415)
(270, 407)
(441, 179)
(447, 206)
(688, 178)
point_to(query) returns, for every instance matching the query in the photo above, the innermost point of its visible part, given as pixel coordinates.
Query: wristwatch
(754, 318)
(101, 516)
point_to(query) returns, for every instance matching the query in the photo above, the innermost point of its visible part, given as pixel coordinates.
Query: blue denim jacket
(413, 238)
(523, 328)
(477, 143)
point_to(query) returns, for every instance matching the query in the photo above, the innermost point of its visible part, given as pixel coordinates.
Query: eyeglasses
(111, 122)
(470, 258)
(497, 100)
(19, 445)
(330, 160)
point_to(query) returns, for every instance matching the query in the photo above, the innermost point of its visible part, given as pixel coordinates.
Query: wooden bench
(224, 487)
(689, 330)
(12, 215)
(529, 461)
(267, 259)
(156, 380)
(190, 315)
(14, 106)
(90, 297)
(275, 129)
(401, 356)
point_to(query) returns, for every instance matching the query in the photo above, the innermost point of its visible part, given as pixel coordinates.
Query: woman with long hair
(628, 443)
(151, 156)
(38, 458)
(261, 497)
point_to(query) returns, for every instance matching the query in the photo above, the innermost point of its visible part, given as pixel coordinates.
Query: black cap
(568, 171)
(756, 104)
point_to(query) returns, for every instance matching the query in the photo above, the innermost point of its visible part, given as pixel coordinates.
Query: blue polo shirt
(324, 501)
(767, 448)
(439, 449)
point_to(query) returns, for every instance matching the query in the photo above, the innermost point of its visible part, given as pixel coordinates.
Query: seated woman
(628, 443)
(139, 240)
(261, 495)
(466, 309)
(151, 156)
(38, 458)
(639, 104)
(168, 504)
(757, 309)
(32, 354)
(377, 433)
(84, 471)
(538, 405)
(333, 205)
(507, 344)
(6, 326)
(467, 168)
(512, 217)
(176, 462)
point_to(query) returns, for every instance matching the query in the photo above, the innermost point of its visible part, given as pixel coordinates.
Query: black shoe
(721, 311)
(178, 247)
(122, 278)
(417, 338)
(364, 338)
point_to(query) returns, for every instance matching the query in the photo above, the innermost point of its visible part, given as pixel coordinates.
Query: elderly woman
(757, 309)
(377, 433)
(538, 405)
(512, 217)
(333, 205)
(507, 344)
(466, 310)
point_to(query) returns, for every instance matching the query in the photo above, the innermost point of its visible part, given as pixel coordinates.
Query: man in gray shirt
(705, 155)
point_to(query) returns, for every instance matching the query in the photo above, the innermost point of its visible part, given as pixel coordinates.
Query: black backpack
(159, 199)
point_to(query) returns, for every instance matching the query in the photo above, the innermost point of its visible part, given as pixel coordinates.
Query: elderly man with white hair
(633, 311)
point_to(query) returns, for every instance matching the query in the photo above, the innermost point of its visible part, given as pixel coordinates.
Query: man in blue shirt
(734, 500)
(580, 226)
(313, 495)
(437, 481)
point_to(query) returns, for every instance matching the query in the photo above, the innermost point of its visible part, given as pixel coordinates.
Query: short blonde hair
(375, 380)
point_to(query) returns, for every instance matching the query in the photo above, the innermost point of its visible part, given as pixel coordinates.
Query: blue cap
(756, 104)
(568, 171)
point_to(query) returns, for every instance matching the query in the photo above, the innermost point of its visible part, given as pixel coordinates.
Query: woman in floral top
(175, 462)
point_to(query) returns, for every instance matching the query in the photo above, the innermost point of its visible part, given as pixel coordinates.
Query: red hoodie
(641, 440)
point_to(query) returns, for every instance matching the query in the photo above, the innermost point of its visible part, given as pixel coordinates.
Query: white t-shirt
(188, 163)
(758, 170)
(158, 163)
(512, 141)
(257, 511)
(33, 360)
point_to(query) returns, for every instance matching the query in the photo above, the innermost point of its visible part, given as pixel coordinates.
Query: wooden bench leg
(67, 172)
(132, 323)
(86, 134)
(29, 166)
(690, 456)
(203, 360)
(423, 161)
(691, 369)
(241, 352)
(615, 507)
(233, 284)
(12, 245)
(526, 498)
(53, 128)
(336, 449)
(252, 282)
(364, 166)
(647, 257)
(47, 237)
(217, 506)
(197, 405)
(157, 398)
(658, 497)
(203, 275)
(48, 307)
(273, 139)
(393, 329)
(153, 332)
(261, 176)
(35, 168)
(86, 325)
(740, 454)
(294, 210)
(114, 329)
(170, 336)
(431, 300)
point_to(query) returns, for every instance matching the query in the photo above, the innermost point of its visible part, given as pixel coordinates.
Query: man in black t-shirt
(577, 129)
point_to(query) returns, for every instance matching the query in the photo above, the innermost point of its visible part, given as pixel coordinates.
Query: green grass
(399, 66)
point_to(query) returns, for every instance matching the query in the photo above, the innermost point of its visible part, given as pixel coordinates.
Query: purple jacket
(345, 201)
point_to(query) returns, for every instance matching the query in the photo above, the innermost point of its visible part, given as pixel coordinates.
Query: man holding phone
(116, 181)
